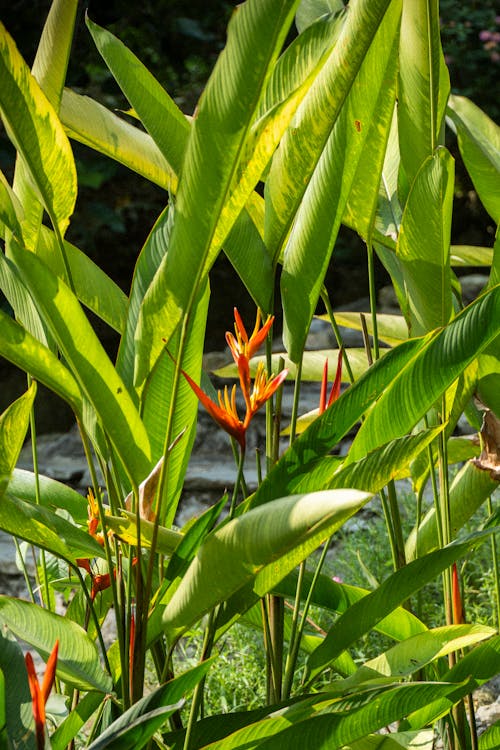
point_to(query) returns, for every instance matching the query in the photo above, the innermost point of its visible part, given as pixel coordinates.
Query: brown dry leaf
(489, 460)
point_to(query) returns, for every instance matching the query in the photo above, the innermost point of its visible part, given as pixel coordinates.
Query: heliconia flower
(39, 695)
(224, 413)
(102, 581)
(241, 345)
(263, 388)
(335, 391)
(93, 513)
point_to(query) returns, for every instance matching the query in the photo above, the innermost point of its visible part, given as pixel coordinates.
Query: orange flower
(456, 598)
(39, 695)
(224, 413)
(263, 388)
(242, 345)
(335, 391)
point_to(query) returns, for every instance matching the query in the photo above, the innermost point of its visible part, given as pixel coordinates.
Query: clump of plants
(345, 125)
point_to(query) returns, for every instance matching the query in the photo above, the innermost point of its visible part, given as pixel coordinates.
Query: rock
(472, 285)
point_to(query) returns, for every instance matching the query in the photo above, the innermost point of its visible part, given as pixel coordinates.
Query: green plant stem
(373, 297)
(197, 698)
(107, 548)
(296, 399)
(22, 563)
(390, 530)
(45, 597)
(336, 330)
(397, 525)
(237, 484)
(494, 557)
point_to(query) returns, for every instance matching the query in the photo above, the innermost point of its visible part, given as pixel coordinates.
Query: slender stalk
(24, 568)
(296, 398)
(494, 555)
(390, 528)
(237, 484)
(45, 595)
(373, 297)
(336, 330)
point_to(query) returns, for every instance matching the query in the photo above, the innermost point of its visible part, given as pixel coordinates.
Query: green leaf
(37, 134)
(399, 624)
(44, 528)
(18, 707)
(446, 354)
(310, 11)
(10, 210)
(424, 244)
(363, 615)
(391, 329)
(256, 550)
(490, 739)
(478, 665)
(326, 723)
(90, 364)
(326, 431)
(317, 220)
(92, 286)
(134, 727)
(245, 248)
(159, 114)
(78, 717)
(413, 654)
(93, 125)
(78, 661)
(204, 211)
(479, 144)
(51, 61)
(303, 143)
(23, 350)
(469, 490)
(125, 527)
(312, 364)
(14, 423)
(469, 255)
(422, 86)
(378, 468)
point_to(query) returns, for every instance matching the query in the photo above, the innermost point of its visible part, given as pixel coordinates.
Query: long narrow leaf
(220, 129)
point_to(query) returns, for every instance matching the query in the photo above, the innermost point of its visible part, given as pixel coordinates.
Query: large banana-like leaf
(481, 664)
(424, 244)
(157, 403)
(78, 661)
(469, 490)
(471, 255)
(20, 300)
(479, 143)
(245, 248)
(413, 654)
(14, 424)
(159, 114)
(44, 528)
(52, 494)
(255, 551)
(303, 143)
(37, 134)
(92, 286)
(215, 147)
(11, 211)
(24, 351)
(18, 707)
(90, 365)
(443, 356)
(326, 431)
(423, 85)
(126, 731)
(327, 723)
(364, 614)
(390, 328)
(95, 126)
(310, 244)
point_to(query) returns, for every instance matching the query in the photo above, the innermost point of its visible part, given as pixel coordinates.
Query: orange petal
(227, 420)
(50, 673)
(456, 597)
(37, 702)
(324, 384)
(258, 337)
(335, 392)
